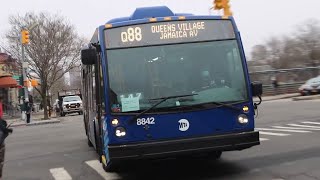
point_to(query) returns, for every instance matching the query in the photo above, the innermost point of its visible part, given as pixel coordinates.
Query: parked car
(312, 86)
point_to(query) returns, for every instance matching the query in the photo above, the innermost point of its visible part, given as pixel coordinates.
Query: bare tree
(259, 52)
(54, 48)
(58, 85)
(308, 36)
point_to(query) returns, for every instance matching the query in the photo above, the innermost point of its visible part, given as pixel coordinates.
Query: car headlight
(120, 132)
(243, 119)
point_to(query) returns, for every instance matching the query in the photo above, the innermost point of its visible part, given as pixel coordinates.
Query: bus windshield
(213, 71)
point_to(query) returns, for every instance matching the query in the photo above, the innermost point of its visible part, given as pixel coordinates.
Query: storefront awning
(8, 82)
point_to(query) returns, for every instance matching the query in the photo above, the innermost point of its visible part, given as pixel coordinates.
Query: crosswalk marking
(298, 125)
(96, 165)
(60, 174)
(264, 139)
(273, 134)
(283, 130)
(301, 128)
(310, 122)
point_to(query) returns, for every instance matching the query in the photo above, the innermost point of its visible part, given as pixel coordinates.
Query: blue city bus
(158, 84)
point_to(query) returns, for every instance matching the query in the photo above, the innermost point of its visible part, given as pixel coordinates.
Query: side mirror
(256, 88)
(88, 56)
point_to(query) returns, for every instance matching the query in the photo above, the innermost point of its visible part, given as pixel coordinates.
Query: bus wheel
(215, 155)
(89, 142)
(111, 167)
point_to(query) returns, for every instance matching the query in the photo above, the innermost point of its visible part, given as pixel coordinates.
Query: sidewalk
(281, 96)
(310, 97)
(36, 119)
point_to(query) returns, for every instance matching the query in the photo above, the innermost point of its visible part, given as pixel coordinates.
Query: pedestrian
(28, 111)
(275, 84)
(4, 131)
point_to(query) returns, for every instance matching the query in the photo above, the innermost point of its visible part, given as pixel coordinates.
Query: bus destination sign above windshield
(168, 33)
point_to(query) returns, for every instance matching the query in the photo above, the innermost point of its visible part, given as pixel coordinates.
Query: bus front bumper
(169, 148)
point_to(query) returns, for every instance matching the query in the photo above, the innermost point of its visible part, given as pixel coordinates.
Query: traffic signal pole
(24, 77)
(24, 40)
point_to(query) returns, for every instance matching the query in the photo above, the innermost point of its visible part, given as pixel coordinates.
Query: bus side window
(93, 103)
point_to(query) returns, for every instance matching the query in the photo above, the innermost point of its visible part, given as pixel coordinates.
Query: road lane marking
(298, 125)
(60, 174)
(273, 134)
(264, 139)
(97, 166)
(301, 128)
(310, 122)
(283, 130)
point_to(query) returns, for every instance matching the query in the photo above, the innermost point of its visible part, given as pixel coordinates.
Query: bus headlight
(115, 122)
(120, 132)
(243, 119)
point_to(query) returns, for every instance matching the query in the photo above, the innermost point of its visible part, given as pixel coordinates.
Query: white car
(312, 86)
(71, 104)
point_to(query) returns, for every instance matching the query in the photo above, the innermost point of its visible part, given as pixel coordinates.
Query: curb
(279, 97)
(306, 97)
(35, 123)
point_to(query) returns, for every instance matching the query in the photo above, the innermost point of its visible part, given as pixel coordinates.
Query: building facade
(9, 81)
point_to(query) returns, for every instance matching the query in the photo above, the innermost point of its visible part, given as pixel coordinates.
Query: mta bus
(159, 84)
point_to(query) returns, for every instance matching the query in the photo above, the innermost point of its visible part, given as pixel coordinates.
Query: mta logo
(183, 125)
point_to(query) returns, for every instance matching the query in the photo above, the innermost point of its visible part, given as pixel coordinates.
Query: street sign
(18, 79)
(25, 65)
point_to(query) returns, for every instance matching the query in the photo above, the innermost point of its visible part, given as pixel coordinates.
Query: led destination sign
(168, 33)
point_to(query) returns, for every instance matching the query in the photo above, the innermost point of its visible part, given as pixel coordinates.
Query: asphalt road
(290, 149)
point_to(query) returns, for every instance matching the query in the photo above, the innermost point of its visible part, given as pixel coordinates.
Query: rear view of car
(312, 86)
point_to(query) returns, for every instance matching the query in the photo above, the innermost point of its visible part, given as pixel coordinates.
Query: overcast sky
(257, 20)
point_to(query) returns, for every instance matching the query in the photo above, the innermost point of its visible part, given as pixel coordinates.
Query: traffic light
(218, 4)
(223, 4)
(34, 82)
(25, 39)
(226, 7)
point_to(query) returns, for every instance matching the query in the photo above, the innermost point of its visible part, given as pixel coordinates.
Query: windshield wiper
(163, 99)
(227, 105)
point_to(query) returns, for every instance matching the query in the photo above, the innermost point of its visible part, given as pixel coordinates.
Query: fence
(289, 79)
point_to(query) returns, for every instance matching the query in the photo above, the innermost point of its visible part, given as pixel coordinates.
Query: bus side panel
(106, 127)
(106, 138)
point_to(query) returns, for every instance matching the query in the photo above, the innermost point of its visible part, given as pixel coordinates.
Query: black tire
(63, 114)
(112, 167)
(215, 155)
(89, 142)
